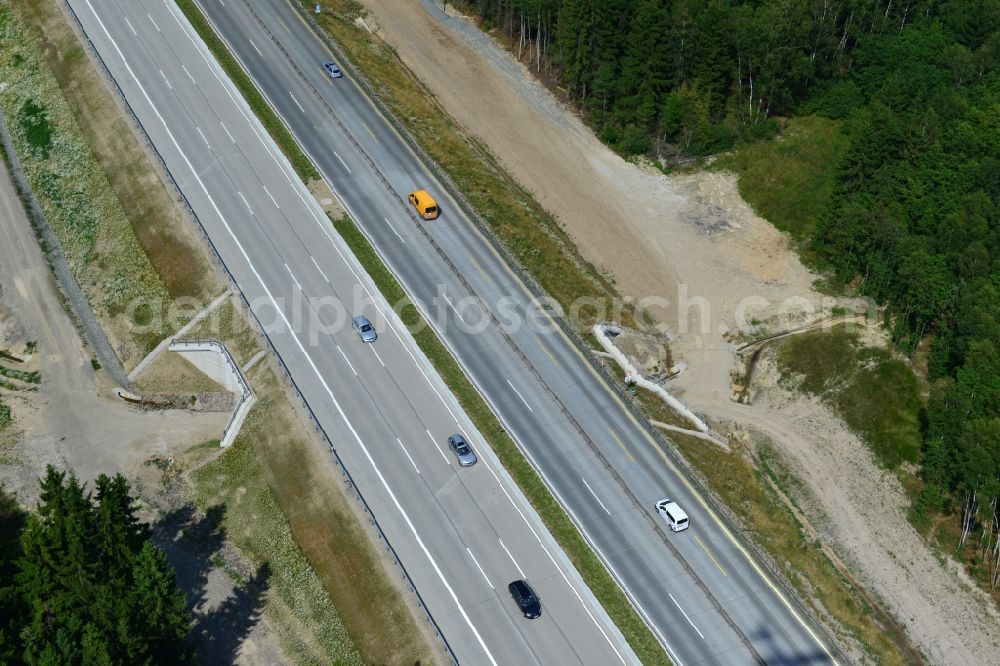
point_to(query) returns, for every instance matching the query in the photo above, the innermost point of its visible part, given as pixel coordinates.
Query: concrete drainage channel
(213, 359)
(605, 334)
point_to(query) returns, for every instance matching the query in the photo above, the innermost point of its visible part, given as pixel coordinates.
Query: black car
(526, 599)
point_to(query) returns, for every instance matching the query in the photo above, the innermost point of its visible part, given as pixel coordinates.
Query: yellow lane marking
(546, 350)
(480, 268)
(283, 24)
(621, 444)
(369, 130)
(712, 557)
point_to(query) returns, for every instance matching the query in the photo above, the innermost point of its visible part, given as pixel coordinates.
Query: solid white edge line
(347, 360)
(437, 446)
(518, 566)
(519, 396)
(693, 625)
(595, 496)
(468, 550)
(400, 442)
(302, 349)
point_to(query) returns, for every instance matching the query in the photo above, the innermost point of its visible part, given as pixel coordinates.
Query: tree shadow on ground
(226, 605)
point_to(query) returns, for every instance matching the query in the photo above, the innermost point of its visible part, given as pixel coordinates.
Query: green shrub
(878, 396)
(34, 122)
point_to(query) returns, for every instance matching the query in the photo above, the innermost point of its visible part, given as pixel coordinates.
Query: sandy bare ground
(72, 422)
(691, 241)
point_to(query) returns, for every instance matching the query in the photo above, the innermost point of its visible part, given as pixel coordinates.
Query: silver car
(466, 457)
(364, 329)
(332, 70)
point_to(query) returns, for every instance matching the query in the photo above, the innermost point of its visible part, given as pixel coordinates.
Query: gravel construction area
(72, 422)
(691, 240)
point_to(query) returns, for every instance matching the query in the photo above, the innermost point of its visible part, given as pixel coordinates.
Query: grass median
(547, 253)
(268, 118)
(594, 573)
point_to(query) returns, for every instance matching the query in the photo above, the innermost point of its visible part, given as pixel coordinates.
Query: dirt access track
(692, 241)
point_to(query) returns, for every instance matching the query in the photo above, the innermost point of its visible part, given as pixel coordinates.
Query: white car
(673, 514)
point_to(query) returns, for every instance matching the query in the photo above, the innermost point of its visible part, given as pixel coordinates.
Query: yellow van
(425, 204)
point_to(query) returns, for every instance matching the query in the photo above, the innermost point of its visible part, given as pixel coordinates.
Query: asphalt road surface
(462, 533)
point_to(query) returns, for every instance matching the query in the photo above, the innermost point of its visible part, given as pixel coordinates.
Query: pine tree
(159, 612)
(643, 80)
(95, 589)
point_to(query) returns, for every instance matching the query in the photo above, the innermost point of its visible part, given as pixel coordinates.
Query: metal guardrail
(246, 393)
(733, 523)
(349, 479)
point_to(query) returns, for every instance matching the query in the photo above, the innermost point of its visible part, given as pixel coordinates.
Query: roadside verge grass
(594, 573)
(94, 231)
(167, 238)
(285, 507)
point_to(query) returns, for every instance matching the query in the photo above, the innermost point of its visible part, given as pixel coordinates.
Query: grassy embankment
(536, 242)
(749, 491)
(878, 396)
(124, 237)
(71, 186)
(85, 162)
(789, 181)
(285, 508)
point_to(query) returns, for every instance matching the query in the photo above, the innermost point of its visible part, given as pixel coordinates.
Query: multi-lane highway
(462, 533)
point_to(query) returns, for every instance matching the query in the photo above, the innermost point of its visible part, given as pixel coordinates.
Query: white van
(673, 514)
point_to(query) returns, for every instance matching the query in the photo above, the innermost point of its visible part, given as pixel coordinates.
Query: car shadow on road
(225, 602)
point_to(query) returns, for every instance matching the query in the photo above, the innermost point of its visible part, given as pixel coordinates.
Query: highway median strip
(265, 114)
(593, 571)
(596, 576)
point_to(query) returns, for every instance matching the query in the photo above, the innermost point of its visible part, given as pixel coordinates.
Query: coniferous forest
(81, 583)
(913, 220)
